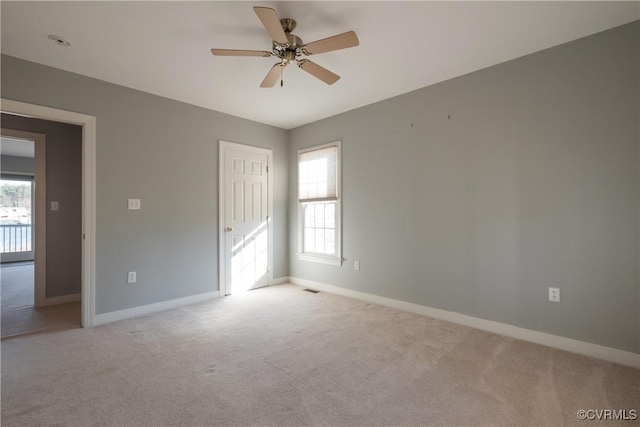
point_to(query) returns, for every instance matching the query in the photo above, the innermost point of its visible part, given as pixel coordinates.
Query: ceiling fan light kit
(290, 48)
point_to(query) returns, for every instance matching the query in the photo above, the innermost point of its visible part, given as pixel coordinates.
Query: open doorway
(87, 125)
(23, 239)
(17, 229)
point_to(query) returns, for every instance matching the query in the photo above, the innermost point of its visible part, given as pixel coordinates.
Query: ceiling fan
(289, 48)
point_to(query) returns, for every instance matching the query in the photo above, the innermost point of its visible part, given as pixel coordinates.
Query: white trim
(223, 145)
(63, 299)
(568, 344)
(279, 281)
(39, 237)
(114, 316)
(88, 124)
(322, 259)
(320, 147)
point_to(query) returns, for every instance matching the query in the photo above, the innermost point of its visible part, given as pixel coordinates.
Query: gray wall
(64, 184)
(473, 195)
(165, 153)
(16, 164)
(532, 182)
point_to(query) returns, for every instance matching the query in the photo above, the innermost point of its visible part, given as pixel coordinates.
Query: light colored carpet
(285, 357)
(19, 316)
(17, 285)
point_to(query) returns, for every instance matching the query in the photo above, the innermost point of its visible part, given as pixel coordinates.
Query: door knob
(229, 229)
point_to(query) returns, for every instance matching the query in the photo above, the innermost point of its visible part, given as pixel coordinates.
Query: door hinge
(267, 169)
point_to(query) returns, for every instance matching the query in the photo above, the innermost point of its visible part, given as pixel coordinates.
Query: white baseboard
(113, 316)
(279, 281)
(568, 344)
(64, 299)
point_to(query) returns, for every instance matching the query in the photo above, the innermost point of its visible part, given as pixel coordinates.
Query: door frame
(223, 146)
(39, 211)
(88, 124)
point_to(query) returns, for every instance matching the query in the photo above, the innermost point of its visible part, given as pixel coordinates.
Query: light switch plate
(55, 206)
(134, 204)
(131, 277)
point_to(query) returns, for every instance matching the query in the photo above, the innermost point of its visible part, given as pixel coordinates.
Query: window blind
(318, 175)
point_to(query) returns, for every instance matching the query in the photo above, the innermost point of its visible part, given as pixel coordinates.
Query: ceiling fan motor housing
(294, 41)
(289, 52)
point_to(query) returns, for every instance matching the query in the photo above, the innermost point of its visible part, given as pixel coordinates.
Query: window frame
(335, 259)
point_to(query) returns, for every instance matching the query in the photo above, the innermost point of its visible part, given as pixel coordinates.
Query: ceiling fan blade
(340, 41)
(317, 71)
(272, 76)
(271, 22)
(236, 52)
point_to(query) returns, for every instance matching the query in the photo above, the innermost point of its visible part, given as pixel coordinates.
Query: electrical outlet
(131, 277)
(134, 204)
(554, 294)
(356, 265)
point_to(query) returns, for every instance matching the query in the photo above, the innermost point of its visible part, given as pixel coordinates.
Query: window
(319, 204)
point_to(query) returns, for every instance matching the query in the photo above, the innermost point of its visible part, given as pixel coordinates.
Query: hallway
(19, 316)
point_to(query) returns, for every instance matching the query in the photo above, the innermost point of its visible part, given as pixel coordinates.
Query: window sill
(321, 259)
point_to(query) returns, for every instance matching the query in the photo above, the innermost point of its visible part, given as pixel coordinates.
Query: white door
(245, 220)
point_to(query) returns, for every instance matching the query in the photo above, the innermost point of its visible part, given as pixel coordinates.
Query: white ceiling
(16, 147)
(164, 47)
